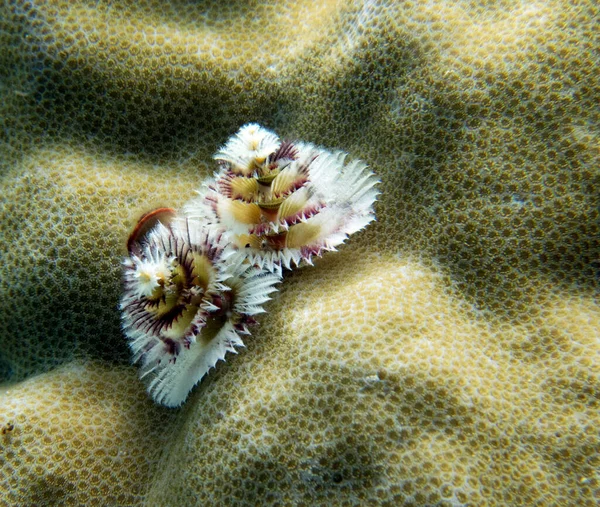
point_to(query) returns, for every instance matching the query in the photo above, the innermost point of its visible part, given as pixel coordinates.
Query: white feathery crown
(193, 286)
(248, 149)
(192, 311)
(292, 202)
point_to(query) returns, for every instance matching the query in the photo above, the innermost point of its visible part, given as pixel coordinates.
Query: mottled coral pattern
(447, 355)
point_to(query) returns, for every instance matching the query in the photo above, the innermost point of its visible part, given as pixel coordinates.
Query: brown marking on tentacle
(287, 150)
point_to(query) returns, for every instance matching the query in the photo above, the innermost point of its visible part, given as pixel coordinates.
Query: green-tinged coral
(448, 355)
(65, 217)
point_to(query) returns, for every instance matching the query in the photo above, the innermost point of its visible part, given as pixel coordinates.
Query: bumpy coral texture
(448, 354)
(52, 457)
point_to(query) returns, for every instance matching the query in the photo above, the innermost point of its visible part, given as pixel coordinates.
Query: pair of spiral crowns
(194, 283)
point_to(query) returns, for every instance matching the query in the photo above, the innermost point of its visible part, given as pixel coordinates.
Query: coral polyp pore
(283, 202)
(186, 303)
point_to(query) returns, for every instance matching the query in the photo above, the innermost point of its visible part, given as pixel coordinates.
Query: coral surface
(448, 355)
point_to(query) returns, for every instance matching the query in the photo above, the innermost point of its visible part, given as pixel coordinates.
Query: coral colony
(194, 283)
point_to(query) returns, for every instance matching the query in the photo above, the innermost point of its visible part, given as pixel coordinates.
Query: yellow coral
(105, 455)
(448, 355)
(385, 386)
(65, 220)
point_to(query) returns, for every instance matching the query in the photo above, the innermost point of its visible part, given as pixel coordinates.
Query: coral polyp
(186, 304)
(283, 202)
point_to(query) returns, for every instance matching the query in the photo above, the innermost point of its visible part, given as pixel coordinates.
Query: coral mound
(83, 434)
(447, 355)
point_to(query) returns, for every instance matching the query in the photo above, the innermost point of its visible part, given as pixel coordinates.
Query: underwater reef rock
(449, 354)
